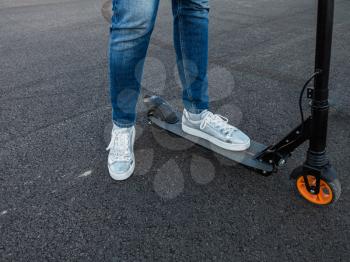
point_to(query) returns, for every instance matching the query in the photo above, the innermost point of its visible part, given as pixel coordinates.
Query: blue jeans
(131, 28)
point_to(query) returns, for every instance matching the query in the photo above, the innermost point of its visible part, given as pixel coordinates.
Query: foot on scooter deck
(166, 117)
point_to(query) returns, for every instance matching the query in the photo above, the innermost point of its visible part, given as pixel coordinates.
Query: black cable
(301, 106)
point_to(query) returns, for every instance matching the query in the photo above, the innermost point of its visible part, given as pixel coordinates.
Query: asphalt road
(184, 203)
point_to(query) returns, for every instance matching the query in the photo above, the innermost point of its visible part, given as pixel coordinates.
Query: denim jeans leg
(130, 31)
(191, 46)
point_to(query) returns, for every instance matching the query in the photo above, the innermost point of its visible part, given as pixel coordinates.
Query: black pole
(318, 139)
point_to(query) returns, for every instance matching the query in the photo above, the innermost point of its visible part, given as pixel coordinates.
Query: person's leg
(130, 31)
(191, 46)
(131, 27)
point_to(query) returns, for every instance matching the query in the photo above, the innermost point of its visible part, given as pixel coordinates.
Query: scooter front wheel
(330, 189)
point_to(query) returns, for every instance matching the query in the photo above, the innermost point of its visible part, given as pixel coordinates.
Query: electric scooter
(316, 179)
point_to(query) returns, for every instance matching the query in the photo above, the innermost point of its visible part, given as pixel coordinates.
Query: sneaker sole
(215, 141)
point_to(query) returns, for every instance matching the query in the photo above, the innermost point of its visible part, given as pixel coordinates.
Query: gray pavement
(184, 203)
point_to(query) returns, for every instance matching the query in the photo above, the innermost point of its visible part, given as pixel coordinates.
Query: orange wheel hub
(324, 197)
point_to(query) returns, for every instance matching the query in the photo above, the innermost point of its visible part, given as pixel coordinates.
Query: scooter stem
(318, 138)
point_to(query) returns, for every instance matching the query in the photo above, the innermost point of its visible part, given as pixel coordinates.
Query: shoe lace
(119, 146)
(218, 122)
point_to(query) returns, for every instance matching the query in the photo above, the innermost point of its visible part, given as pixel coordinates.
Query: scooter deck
(247, 157)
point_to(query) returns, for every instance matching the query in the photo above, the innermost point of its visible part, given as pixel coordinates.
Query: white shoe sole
(215, 141)
(124, 176)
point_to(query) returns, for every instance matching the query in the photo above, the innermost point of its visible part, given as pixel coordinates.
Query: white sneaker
(215, 129)
(121, 158)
